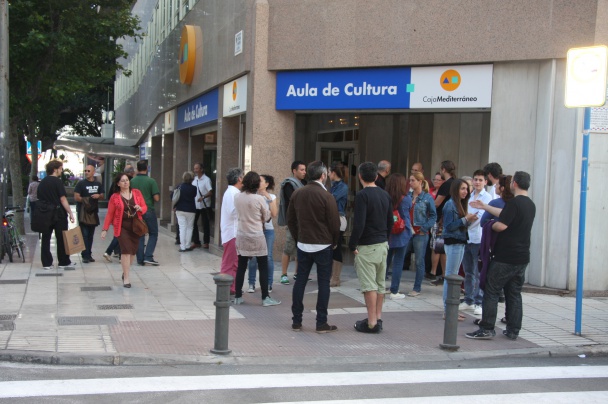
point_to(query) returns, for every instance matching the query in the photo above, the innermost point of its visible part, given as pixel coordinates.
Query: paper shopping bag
(73, 241)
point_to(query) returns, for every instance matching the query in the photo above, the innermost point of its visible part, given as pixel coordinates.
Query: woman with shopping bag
(125, 207)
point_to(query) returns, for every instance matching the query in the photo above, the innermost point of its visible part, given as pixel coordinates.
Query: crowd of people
(450, 223)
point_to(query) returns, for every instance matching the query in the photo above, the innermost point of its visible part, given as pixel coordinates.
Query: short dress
(128, 240)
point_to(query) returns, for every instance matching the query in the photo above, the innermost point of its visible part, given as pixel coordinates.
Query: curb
(72, 359)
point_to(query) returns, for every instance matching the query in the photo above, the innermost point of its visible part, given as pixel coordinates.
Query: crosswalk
(103, 386)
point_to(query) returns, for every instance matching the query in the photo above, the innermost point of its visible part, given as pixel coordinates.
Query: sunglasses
(88, 171)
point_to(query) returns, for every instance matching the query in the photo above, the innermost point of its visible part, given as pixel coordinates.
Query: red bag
(398, 222)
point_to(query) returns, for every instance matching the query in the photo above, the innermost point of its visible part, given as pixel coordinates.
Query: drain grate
(5, 317)
(86, 320)
(13, 281)
(53, 274)
(115, 307)
(7, 326)
(95, 288)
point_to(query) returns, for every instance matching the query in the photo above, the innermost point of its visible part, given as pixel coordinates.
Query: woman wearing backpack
(185, 210)
(397, 188)
(423, 217)
(455, 223)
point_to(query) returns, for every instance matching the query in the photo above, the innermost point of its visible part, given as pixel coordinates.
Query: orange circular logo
(187, 54)
(234, 91)
(450, 80)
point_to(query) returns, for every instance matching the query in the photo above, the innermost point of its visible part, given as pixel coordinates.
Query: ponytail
(425, 186)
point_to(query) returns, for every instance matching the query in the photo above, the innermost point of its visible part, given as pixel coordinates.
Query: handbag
(73, 241)
(175, 196)
(437, 244)
(139, 226)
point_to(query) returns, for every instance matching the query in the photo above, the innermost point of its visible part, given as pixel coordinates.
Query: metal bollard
(451, 313)
(222, 309)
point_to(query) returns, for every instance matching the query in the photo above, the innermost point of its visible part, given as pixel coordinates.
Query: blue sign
(142, 152)
(29, 147)
(383, 88)
(198, 111)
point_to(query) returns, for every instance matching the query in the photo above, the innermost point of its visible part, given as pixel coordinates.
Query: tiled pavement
(169, 314)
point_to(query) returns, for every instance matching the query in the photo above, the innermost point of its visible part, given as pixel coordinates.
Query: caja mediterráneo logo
(187, 54)
(234, 90)
(450, 80)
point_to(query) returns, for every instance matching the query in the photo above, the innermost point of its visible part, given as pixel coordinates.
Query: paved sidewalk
(85, 316)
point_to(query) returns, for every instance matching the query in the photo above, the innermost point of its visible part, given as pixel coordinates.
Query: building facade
(260, 83)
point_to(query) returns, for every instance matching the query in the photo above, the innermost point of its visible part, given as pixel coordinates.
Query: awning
(100, 146)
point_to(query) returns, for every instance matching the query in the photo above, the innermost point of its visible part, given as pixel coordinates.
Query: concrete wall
(410, 32)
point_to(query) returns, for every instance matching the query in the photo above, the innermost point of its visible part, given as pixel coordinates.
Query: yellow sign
(586, 77)
(187, 54)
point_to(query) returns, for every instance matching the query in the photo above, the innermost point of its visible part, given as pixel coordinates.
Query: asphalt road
(515, 380)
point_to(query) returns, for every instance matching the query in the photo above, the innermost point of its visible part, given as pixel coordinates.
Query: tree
(61, 52)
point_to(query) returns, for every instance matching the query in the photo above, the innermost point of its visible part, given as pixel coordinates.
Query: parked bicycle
(12, 239)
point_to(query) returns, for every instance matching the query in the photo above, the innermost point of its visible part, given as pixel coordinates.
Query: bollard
(451, 313)
(222, 310)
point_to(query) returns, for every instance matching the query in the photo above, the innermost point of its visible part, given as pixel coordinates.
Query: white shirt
(268, 225)
(228, 217)
(492, 193)
(204, 186)
(474, 228)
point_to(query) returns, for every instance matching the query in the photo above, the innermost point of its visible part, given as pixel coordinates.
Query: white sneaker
(269, 301)
(251, 289)
(47, 268)
(477, 311)
(107, 257)
(465, 306)
(397, 296)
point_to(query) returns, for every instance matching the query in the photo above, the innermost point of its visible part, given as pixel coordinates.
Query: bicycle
(12, 238)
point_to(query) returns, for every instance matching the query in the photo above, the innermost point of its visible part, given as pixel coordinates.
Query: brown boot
(335, 274)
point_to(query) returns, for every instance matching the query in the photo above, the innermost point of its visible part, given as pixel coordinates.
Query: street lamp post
(4, 107)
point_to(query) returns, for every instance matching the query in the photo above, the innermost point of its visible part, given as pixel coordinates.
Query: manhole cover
(7, 326)
(114, 307)
(86, 320)
(13, 281)
(43, 274)
(95, 288)
(4, 317)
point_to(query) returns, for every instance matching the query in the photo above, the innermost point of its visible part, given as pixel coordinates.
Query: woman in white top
(266, 184)
(252, 212)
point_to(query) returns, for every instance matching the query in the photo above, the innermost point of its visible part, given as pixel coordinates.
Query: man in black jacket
(314, 223)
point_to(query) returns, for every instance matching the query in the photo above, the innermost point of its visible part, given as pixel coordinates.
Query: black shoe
(481, 334)
(141, 264)
(91, 260)
(430, 276)
(510, 334)
(86, 260)
(325, 328)
(363, 326)
(177, 242)
(296, 327)
(437, 282)
(127, 285)
(380, 324)
(503, 320)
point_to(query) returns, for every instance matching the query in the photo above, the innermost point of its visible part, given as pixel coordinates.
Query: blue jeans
(509, 277)
(472, 293)
(113, 247)
(399, 254)
(418, 244)
(453, 255)
(148, 255)
(324, 261)
(88, 232)
(253, 262)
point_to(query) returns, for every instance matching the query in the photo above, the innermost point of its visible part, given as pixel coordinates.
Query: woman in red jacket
(124, 205)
